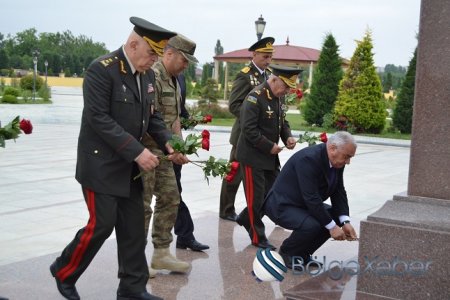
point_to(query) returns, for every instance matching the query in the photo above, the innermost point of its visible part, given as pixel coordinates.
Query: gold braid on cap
(158, 47)
(267, 49)
(289, 81)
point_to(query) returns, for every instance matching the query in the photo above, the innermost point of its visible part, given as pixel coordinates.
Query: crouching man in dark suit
(295, 202)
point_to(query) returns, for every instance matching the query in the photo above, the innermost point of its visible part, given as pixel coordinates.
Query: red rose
(26, 126)
(299, 93)
(323, 137)
(205, 144)
(207, 118)
(205, 134)
(234, 166)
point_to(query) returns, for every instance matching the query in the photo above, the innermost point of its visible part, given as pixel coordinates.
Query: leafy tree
(360, 100)
(387, 82)
(209, 91)
(326, 78)
(206, 73)
(402, 117)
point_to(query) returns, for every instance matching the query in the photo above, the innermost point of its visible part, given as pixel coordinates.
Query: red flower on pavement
(323, 137)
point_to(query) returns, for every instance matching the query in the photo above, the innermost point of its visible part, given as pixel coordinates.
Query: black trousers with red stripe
(257, 183)
(107, 212)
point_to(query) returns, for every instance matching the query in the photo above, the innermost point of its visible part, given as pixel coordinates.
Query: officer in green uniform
(162, 181)
(247, 79)
(262, 124)
(117, 113)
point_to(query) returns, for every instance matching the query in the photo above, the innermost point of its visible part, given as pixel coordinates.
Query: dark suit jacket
(246, 80)
(262, 124)
(113, 122)
(301, 188)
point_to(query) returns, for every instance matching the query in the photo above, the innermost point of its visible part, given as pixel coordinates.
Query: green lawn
(297, 123)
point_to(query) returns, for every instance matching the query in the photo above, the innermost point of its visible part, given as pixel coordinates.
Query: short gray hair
(340, 138)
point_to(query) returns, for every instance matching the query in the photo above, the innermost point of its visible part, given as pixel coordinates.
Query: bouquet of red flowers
(13, 129)
(211, 167)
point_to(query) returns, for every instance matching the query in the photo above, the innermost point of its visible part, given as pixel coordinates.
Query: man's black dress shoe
(194, 245)
(66, 289)
(265, 245)
(231, 218)
(123, 295)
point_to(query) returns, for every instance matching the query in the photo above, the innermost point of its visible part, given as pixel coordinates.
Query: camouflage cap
(185, 46)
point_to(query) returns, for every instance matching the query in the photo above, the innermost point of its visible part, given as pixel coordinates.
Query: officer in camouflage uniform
(263, 123)
(247, 79)
(162, 181)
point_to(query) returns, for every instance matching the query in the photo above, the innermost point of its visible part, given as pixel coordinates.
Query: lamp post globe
(260, 24)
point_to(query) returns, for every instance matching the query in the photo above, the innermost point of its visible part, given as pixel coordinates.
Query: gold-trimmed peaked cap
(185, 46)
(154, 35)
(264, 45)
(287, 74)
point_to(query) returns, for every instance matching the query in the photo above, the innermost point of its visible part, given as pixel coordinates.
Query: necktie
(137, 76)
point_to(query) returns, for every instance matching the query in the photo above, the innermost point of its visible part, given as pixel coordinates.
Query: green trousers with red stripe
(257, 183)
(107, 212)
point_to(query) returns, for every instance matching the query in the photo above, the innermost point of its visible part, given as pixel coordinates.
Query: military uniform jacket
(304, 183)
(113, 122)
(262, 124)
(167, 100)
(246, 80)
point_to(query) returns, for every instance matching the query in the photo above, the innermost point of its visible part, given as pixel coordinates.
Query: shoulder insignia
(251, 99)
(108, 61)
(245, 70)
(268, 95)
(122, 67)
(258, 92)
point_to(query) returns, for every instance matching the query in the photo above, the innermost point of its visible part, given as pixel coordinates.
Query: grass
(297, 123)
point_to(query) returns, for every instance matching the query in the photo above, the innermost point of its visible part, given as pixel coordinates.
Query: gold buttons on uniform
(96, 151)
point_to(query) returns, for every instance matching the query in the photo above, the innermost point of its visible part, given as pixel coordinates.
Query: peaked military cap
(154, 35)
(264, 45)
(185, 46)
(287, 74)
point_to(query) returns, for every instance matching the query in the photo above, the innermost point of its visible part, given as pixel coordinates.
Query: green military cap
(154, 35)
(264, 45)
(287, 74)
(185, 46)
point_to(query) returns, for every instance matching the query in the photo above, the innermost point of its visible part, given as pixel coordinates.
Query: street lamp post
(260, 24)
(35, 60)
(46, 65)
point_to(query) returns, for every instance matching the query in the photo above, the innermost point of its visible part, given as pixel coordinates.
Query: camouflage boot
(162, 259)
(152, 272)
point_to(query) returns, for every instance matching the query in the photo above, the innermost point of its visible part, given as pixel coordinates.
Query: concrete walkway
(41, 208)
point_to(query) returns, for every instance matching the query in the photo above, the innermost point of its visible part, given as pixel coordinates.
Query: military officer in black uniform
(117, 112)
(262, 124)
(247, 79)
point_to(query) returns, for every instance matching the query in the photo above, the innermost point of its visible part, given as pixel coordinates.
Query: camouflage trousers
(161, 183)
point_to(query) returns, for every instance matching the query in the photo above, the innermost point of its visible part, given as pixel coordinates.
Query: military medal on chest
(269, 112)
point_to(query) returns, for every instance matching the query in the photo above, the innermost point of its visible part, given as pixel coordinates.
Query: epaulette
(245, 70)
(109, 61)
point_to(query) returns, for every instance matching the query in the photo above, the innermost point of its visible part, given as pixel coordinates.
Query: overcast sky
(394, 23)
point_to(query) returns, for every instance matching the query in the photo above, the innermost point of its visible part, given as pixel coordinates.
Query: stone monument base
(404, 249)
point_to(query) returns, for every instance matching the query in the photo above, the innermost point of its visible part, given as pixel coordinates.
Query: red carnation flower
(323, 137)
(26, 126)
(205, 144)
(207, 118)
(205, 134)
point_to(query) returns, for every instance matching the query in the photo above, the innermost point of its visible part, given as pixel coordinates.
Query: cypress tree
(325, 83)
(403, 111)
(360, 99)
